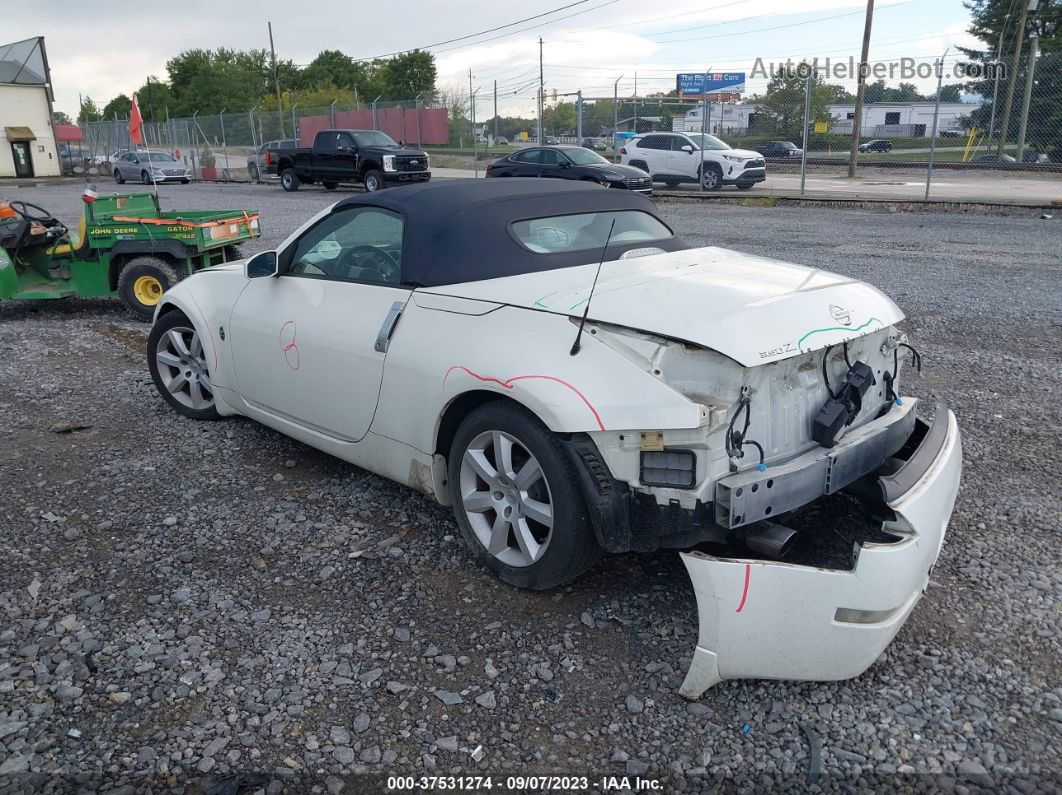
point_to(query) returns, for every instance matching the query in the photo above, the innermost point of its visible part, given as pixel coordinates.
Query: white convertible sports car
(573, 378)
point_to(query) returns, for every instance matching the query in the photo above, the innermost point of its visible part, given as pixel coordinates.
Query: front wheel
(142, 282)
(516, 499)
(145, 177)
(178, 365)
(289, 180)
(118, 177)
(373, 181)
(711, 177)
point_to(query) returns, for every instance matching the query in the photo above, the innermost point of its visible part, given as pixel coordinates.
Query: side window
(679, 141)
(361, 244)
(532, 156)
(648, 142)
(327, 142)
(550, 157)
(343, 140)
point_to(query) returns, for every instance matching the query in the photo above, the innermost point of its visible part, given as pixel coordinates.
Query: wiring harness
(735, 439)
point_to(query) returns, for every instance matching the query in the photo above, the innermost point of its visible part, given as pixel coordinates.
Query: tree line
(213, 81)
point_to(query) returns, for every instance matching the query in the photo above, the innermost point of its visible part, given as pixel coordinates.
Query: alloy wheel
(506, 498)
(709, 178)
(183, 368)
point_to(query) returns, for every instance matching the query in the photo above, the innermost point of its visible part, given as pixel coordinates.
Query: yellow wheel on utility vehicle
(148, 290)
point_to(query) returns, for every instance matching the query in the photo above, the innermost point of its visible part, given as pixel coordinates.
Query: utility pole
(541, 92)
(579, 117)
(704, 127)
(1012, 78)
(634, 129)
(471, 112)
(861, 83)
(276, 81)
(496, 112)
(615, 112)
(1034, 42)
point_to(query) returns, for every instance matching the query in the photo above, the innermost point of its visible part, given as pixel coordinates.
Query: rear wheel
(118, 177)
(373, 181)
(252, 171)
(640, 164)
(142, 282)
(289, 180)
(330, 185)
(178, 364)
(516, 499)
(745, 185)
(671, 183)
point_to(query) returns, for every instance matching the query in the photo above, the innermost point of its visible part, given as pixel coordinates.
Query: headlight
(389, 162)
(608, 175)
(735, 158)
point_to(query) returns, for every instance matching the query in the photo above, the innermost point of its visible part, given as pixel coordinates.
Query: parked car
(1029, 156)
(570, 162)
(779, 149)
(993, 159)
(149, 167)
(553, 362)
(369, 157)
(594, 143)
(673, 158)
(877, 145)
(256, 163)
(73, 157)
(501, 140)
(552, 141)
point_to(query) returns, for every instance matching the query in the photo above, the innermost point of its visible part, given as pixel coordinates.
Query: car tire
(185, 181)
(372, 180)
(289, 180)
(330, 185)
(252, 172)
(711, 177)
(145, 178)
(233, 253)
(745, 185)
(569, 546)
(671, 184)
(181, 372)
(142, 283)
(118, 177)
(641, 164)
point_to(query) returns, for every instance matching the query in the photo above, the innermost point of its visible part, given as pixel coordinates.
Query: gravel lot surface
(211, 606)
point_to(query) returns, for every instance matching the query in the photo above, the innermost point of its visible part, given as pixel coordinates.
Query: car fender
(441, 351)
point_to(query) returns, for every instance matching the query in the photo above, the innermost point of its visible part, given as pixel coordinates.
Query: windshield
(588, 230)
(374, 138)
(584, 157)
(157, 157)
(708, 142)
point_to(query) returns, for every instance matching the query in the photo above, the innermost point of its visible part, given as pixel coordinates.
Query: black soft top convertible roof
(459, 231)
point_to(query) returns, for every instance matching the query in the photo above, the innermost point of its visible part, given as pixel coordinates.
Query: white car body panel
(752, 309)
(298, 355)
(773, 620)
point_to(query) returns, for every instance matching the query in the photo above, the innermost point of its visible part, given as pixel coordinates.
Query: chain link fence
(907, 150)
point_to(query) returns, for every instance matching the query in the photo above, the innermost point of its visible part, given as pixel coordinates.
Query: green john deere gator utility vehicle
(125, 245)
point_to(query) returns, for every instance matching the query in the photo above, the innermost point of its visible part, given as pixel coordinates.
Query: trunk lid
(751, 309)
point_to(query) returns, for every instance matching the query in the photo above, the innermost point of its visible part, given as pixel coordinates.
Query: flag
(136, 123)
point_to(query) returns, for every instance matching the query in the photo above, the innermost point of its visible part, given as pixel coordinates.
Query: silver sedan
(149, 167)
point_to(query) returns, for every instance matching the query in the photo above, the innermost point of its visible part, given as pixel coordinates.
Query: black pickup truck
(369, 157)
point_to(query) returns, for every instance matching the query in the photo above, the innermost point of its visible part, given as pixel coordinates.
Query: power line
(482, 32)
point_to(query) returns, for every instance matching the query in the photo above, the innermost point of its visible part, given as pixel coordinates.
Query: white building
(901, 119)
(27, 137)
(724, 118)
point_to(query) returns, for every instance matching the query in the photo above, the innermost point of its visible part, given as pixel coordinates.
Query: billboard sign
(717, 83)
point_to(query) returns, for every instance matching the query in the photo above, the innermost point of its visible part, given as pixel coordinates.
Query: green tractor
(124, 245)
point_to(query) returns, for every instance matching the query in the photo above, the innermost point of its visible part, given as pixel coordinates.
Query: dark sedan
(571, 162)
(877, 145)
(779, 149)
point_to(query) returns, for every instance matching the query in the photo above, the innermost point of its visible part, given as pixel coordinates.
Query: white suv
(672, 158)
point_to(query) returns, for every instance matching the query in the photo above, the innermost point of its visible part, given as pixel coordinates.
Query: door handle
(383, 338)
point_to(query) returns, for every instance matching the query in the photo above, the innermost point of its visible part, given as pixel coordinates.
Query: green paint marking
(538, 302)
(578, 304)
(800, 342)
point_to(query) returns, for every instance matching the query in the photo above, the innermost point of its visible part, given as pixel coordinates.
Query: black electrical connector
(844, 403)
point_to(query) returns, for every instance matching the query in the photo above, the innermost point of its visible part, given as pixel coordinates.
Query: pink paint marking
(290, 349)
(509, 385)
(745, 592)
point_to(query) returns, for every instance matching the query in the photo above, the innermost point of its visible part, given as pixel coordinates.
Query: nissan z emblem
(841, 315)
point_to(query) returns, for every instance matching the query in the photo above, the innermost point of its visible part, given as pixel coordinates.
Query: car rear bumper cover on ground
(774, 620)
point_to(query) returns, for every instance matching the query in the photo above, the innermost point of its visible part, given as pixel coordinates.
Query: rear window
(584, 231)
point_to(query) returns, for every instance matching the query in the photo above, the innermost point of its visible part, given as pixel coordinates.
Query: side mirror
(565, 164)
(687, 149)
(264, 264)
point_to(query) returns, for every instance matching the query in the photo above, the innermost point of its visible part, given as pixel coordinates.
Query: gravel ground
(209, 606)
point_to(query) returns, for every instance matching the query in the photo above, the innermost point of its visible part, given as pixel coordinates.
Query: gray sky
(104, 48)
